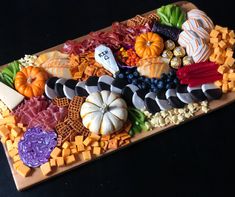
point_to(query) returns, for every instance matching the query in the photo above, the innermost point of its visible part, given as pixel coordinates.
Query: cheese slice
(10, 97)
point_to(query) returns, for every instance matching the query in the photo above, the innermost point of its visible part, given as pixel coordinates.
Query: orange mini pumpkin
(149, 45)
(30, 81)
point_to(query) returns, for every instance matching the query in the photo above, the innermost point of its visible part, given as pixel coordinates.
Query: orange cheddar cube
(87, 141)
(4, 139)
(231, 85)
(72, 145)
(45, 168)
(218, 83)
(17, 164)
(231, 41)
(223, 69)
(4, 131)
(222, 44)
(80, 148)
(70, 160)
(88, 148)
(60, 161)
(74, 151)
(16, 158)
(8, 120)
(214, 33)
(16, 131)
(214, 40)
(94, 136)
(212, 57)
(229, 61)
(56, 152)
(53, 162)
(66, 145)
(220, 59)
(5, 113)
(9, 145)
(229, 53)
(86, 155)
(96, 151)
(23, 170)
(225, 88)
(13, 152)
(225, 36)
(78, 139)
(94, 144)
(66, 152)
(16, 141)
(105, 137)
(225, 77)
(231, 34)
(217, 50)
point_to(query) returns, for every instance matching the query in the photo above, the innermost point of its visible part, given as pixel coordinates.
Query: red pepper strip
(203, 81)
(201, 75)
(198, 77)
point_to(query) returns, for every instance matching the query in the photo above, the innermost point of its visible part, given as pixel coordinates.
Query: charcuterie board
(35, 175)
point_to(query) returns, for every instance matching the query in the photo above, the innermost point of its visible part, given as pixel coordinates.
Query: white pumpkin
(104, 112)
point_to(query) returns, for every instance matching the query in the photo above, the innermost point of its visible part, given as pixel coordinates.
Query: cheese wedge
(10, 97)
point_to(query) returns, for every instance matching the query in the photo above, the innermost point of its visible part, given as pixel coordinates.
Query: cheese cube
(97, 151)
(52, 162)
(12, 138)
(231, 41)
(214, 40)
(80, 148)
(214, 33)
(220, 59)
(222, 69)
(66, 145)
(74, 151)
(94, 136)
(70, 160)
(23, 170)
(86, 155)
(45, 168)
(87, 141)
(56, 152)
(16, 158)
(231, 85)
(229, 53)
(4, 139)
(60, 161)
(218, 83)
(222, 44)
(20, 125)
(224, 36)
(9, 145)
(66, 152)
(225, 88)
(17, 164)
(94, 144)
(5, 113)
(78, 139)
(88, 148)
(13, 152)
(229, 61)
(8, 120)
(217, 50)
(213, 57)
(231, 34)
(15, 131)
(72, 145)
(4, 132)
(225, 76)
(16, 141)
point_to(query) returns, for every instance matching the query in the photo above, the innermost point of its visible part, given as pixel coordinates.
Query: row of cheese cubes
(11, 133)
(222, 41)
(91, 145)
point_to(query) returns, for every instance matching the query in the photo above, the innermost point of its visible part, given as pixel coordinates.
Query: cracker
(61, 102)
(75, 107)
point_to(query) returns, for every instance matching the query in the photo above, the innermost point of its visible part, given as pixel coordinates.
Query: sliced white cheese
(10, 97)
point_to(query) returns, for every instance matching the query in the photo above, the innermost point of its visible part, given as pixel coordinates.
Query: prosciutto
(39, 112)
(120, 35)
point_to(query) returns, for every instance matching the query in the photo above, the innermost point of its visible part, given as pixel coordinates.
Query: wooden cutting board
(36, 175)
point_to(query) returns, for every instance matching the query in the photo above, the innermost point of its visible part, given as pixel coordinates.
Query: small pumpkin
(149, 45)
(30, 81)
(104, 112)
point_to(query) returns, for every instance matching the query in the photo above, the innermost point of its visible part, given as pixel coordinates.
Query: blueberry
(172, 73)
(143, 86)
(163, 76)
(176, 81)
(134, 81)
(155, 81)
(141, 78)
(129, 80)
(130, 76)
(160, 85)
(120, 75)
(169, 79)
(136, 74)
(147, 80)
(155, 90)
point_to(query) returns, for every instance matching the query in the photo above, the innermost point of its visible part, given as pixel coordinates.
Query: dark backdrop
(186, 161)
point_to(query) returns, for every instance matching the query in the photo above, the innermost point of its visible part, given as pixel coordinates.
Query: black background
(194, 159)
